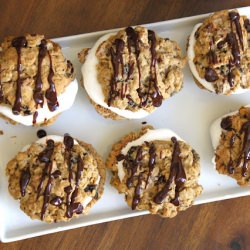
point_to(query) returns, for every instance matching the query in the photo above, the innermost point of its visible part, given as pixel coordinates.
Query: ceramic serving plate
(188, 113)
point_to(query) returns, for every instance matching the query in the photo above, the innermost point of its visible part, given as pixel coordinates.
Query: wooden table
(218, 225)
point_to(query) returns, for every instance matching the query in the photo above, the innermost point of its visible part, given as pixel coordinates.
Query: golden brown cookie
(36, 81)
(128, 74)
(156, 171)
(219, 53)
(56, 178)
(231, 141)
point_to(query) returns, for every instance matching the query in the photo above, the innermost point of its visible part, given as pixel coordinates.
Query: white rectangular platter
(189, 113)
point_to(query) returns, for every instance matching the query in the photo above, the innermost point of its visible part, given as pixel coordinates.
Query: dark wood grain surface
(218, 225)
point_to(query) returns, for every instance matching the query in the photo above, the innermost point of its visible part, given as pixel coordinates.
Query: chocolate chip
(226, 123)
(120, 157)
(211, 75)
(90, 188)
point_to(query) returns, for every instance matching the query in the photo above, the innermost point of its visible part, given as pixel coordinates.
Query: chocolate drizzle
(117, 60)
(24, 181)
(134, 163)
(244, 155)
(156, 95)
(118, 63)
(35, 115)
(44, 157)
(151, 162)
(46, 194)
(38, 94)
(235, 17)
(72, 206)
(177, 174)
(133, 41)
(50, 94)
(18, 43)
(232, 41)
(245, 152)
(137, 195)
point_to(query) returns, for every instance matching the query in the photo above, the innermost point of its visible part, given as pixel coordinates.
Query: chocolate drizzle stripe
(156, 95)
(137, 198)
(117, 62)
(69, 144)
(231, 39)
(72, 206)
(35, 115)
(177, 174)
(38, 94)
(235, 17)
(133, 41)
(244, 155)
(51, 94)
(24, 181)
(45, 157)
(46, 194)
(71, 194)
(151, 162)
(18, 43)
(133, 166)
(133, 45)
(245, 152)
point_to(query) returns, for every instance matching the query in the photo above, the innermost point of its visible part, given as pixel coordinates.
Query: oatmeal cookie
(128, 74)
(231, 141)
(36, 81)
(219, 53)
(156, 171)
(56, 178)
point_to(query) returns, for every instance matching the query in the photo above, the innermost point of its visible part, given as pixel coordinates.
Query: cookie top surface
(222, 52)
(56, 178)
(232, 152)
(136, 69)
(157, 175)
(33, 73)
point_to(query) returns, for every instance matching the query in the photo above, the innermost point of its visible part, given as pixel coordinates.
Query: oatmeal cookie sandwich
(156, 171)
(56, 178)
(231, 141)
(128, 74)
(36, 81)
(219, 53)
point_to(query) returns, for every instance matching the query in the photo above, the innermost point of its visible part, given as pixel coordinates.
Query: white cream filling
(93, 87)
(65, 100)
(150, 135)
(57, 138)
(191, 56)
(216, 130)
